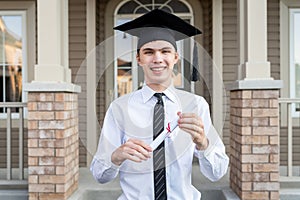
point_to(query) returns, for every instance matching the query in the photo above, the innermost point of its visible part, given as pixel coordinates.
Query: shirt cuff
(114, 166)
(204, 153)
(107, 164)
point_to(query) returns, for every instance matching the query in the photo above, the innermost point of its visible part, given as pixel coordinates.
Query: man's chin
(160, 83)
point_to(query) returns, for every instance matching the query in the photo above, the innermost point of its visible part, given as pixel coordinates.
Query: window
(12, 65)
(127, 74)
(125, 61)
(295, 58)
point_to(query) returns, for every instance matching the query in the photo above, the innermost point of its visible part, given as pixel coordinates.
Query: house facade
(73, 64)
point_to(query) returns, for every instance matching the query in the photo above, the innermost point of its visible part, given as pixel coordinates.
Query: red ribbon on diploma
(169, 128)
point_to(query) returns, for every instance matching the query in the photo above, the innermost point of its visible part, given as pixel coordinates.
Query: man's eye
(166, 51)
(148, 52)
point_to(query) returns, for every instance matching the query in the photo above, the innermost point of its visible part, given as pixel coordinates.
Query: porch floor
(89, 189)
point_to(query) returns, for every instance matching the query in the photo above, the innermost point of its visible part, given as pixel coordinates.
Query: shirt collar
(147, 93)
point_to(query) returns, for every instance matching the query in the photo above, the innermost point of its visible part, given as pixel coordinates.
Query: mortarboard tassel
(195, 72)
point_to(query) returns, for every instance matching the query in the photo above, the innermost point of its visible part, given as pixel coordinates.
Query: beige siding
(101, 107)
(273, 38)
(98, 97)
(230, 58)
(101, 75)
(77, 54)
(207, 44)
(14, 148)
(284, 147)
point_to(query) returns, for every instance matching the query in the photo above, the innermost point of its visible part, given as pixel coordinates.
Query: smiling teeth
(158, 69)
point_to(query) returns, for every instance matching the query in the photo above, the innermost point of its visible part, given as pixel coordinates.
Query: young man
(133, 121)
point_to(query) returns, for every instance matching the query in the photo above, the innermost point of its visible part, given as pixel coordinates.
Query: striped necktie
(160, 190)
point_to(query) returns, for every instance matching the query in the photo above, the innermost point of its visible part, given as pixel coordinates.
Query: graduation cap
(158, 25)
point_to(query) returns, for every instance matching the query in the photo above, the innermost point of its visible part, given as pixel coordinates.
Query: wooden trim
(218, 86)
(91, 80)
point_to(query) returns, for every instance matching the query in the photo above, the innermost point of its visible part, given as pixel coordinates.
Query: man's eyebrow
(147, 49)
(152, 49)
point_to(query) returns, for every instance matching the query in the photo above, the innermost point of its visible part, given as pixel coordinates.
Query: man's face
(157, 59)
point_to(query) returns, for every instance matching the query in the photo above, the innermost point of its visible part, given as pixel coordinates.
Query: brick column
(52, 145)
(254, 141)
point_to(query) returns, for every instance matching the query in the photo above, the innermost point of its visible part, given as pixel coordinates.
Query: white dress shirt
(131, 116)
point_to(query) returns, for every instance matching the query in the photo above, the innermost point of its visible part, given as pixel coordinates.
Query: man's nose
(157, 57)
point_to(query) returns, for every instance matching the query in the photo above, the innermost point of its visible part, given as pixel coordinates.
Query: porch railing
(288, 102)
(9, 106)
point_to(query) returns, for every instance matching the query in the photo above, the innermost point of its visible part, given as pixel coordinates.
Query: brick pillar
(52, 145)
(254, 141)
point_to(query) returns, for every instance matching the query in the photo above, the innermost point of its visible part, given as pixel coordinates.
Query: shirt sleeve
(213, 161)
(102, 169)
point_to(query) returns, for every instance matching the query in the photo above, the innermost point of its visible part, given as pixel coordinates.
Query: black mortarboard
(158, 25)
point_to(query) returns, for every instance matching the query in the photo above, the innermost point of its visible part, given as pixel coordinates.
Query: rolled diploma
(161, 137)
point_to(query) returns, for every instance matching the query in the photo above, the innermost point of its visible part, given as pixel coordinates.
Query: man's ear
(176, 57)
(138, 58)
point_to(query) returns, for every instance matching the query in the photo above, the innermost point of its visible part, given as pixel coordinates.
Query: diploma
(161, 137)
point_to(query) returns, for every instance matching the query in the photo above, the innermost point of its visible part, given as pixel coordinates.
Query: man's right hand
(134, 150)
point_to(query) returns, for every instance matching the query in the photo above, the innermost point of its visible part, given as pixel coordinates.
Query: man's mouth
(157, 69)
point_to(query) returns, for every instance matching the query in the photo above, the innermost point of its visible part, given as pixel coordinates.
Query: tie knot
(159, 97)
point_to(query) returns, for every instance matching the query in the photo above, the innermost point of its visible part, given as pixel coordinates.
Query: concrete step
(289, 188)
(13, 184)
(91, 190)
(290, 194)
(14, 194)
(13, 189)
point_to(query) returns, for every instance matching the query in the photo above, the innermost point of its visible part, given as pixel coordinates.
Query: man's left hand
(192, 124)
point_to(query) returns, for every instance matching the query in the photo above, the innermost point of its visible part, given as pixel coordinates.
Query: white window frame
(29, 7)
(135, 83)
(24, 55)
(285, 5)
(292, 12)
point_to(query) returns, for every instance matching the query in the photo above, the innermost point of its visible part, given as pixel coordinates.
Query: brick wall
(254, 141)
(52, 145)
